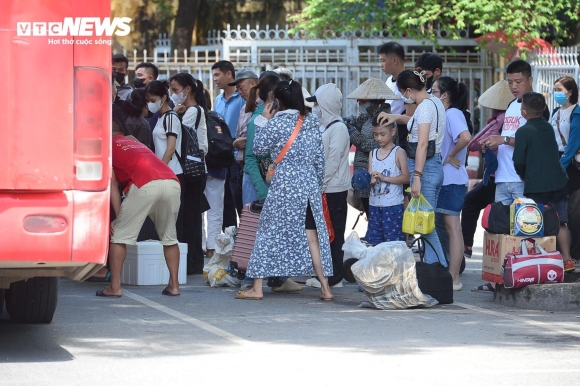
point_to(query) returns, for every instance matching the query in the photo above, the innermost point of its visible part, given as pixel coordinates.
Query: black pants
(442, 234)
(232, 197)
(365, 204)
(475, 201)
(338, 209)
(193, 204)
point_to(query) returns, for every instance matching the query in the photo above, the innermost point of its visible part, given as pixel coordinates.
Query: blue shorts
(451, 199)
(385, 224)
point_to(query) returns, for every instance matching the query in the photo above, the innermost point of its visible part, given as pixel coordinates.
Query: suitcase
(522, 269)
(246, 235)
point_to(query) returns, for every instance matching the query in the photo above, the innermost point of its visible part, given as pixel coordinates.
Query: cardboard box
(526, 218)
(495, 247)
(145, 264)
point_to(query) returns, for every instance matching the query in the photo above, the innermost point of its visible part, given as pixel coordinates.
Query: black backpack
(190, 156)
(220, 148)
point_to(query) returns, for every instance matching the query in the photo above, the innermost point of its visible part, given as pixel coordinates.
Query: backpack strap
(332, 123)
(165, 115)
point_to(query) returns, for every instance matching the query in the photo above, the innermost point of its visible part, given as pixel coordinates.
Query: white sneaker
(313, 282)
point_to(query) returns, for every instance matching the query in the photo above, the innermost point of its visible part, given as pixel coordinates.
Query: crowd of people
(291, 150)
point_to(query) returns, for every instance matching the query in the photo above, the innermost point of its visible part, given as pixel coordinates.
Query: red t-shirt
(134, 163)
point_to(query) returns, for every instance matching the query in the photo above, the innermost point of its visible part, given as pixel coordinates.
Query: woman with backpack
(167, 138)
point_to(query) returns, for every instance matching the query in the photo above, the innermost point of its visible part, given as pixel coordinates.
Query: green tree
(510, 21)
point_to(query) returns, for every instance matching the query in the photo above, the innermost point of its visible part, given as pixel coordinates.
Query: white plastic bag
(387, 274)
(217, 272)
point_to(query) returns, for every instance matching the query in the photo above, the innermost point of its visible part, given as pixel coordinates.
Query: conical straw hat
(373, 88)
(497, 97)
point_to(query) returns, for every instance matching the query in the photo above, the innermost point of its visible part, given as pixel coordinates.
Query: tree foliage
(511, 21)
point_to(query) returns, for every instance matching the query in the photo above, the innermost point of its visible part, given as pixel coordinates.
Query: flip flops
(242, 295)
(102, 294)
(167, 293)
(488, 288)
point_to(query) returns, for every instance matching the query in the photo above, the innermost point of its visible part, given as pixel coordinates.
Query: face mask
(139, 83)
(178, 99)
(119, 77)
(560, 97)
(363, 107)
(429, 83)
(407, 100)
(154, 106)
(317, 112)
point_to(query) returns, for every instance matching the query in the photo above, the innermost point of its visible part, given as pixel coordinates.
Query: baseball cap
(311, 99)
(243, 73)
(361, 179)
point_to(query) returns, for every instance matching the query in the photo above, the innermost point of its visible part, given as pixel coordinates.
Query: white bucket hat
(497, 97)
(373, 88)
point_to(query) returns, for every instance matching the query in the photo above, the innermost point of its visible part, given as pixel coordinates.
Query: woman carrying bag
(292, 237)
(426, 129)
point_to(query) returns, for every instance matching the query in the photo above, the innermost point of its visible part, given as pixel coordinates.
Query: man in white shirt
(392, 59)
(509, 185)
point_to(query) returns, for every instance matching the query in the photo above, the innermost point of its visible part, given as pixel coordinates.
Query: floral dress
(281, 247)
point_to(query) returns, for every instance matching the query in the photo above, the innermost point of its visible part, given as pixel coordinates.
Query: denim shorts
(450, 200)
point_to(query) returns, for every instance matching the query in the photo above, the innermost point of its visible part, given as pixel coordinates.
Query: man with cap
(245, 80)
(228, 104)
(120, 72)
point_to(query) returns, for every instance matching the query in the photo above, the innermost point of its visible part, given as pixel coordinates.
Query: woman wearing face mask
(371, 97)
(167, 137)
(454, 153)
(566, 123)
(135, 109)
(426, 131)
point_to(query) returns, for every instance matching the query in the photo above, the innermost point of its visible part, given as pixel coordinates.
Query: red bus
(55, 121)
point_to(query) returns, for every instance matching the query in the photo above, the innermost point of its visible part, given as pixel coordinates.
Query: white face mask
(317, 112)
(178, 99)
(407, 100)
(363, 107)
(154, 106)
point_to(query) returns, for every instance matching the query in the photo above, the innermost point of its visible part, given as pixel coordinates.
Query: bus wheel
(32, 300)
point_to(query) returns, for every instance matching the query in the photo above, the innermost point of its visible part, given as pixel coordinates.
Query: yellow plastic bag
(419, 217)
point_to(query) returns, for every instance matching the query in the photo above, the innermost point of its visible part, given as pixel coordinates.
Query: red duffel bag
(522, 269)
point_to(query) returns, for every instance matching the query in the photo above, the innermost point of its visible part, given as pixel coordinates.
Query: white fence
(347, 59)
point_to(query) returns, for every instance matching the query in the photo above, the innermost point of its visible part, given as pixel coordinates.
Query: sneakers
(569, 265)
(288, 286)
(313, 282)
(467, 252)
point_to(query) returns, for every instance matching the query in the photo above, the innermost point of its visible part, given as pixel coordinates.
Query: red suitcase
(246, 236)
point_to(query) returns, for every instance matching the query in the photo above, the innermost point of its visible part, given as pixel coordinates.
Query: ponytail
(458, 92)
(261, 90)
(251, 103)
(199, 96)
(290, 96)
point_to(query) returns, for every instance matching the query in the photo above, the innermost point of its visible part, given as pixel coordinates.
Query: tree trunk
(185, 21)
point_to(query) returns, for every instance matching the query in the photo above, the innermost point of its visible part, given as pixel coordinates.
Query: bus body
(55, 150)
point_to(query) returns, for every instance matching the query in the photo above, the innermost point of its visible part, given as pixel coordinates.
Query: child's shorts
(451, 199)
(385, 224)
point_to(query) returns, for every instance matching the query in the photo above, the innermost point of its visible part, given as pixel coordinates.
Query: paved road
(207, 337)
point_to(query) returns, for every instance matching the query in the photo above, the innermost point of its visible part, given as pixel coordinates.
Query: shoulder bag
(412, 146)
(272, 167)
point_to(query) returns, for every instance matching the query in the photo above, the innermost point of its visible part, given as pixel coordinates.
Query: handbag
(272, 167)
(419, 217)
(522, 269)
(264, 164)
(327, 219)
(433, 279)
(412, 146)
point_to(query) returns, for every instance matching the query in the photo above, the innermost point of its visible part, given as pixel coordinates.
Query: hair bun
(422, 74)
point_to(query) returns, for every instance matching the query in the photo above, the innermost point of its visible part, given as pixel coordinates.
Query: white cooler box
(145, 264)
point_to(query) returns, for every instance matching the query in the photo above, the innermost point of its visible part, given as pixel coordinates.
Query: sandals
(167, 293)
(102, 294)
(242, 295)
(488, 288)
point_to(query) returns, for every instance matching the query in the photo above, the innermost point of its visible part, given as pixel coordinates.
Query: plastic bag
(387, 275)
(218, 272)
(419, 217)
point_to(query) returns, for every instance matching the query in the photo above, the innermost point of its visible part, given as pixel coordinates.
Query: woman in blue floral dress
(292, 237)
